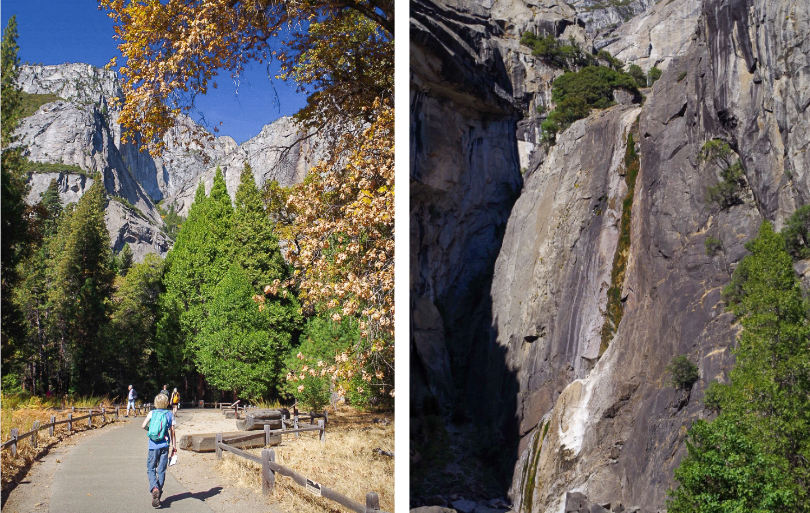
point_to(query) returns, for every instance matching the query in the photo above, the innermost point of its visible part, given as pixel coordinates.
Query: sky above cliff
(59, 31)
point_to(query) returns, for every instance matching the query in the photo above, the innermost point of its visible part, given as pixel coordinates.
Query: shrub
(681, 76)
(612, 61)
(576, 93)
(638, 75)
(797, 233)
(683, 372)
(653, 75)
(556, 53)
(727, 192)
(713, 246)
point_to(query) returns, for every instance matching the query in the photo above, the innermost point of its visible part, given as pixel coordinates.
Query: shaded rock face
(604, 422)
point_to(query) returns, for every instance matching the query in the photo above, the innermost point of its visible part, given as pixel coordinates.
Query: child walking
(160, 425)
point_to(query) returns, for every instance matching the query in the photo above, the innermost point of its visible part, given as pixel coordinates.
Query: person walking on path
(175, 401)
(165, 391)
(131, 401)
(160, 425)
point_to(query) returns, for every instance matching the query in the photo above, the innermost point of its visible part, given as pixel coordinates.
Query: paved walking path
(104, 470)
(108, 474)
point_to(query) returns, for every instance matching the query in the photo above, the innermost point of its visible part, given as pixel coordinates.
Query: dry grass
(21, 412)
(346, 463)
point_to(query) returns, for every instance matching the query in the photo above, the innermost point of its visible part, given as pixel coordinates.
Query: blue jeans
(156, 467)
(131, 404)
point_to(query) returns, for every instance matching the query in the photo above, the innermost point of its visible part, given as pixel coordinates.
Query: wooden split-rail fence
(269, 466)
(16, 437)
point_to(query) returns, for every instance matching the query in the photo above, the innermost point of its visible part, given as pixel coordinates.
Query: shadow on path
(199, 496)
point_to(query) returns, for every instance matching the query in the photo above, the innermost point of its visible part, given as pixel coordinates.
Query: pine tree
(82, 288)
(13, 189)
(255, 245)
(131, 333)
(124, 260)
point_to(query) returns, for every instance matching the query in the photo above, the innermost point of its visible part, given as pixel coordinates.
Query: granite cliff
(78, 135)
(512, 273)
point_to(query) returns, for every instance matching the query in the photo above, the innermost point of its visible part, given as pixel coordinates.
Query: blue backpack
(158, 426)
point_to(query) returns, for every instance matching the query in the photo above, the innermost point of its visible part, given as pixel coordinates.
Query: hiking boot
(155, 498)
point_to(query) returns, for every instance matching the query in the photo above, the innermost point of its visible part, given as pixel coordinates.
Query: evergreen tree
(196, 263)
(124, 260)
(254, 243)
(13, 189)
(131, 333)
(765, 410)
(242, 344)
(82, 288)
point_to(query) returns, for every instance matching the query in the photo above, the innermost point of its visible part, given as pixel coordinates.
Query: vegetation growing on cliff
(756, 455)
(30, 103)
(615, 306)
(728, 191)
(575, 94)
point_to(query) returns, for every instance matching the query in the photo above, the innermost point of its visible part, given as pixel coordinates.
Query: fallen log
(252, 423)
(204, 442)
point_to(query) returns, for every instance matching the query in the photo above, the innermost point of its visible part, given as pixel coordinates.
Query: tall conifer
(254, 243)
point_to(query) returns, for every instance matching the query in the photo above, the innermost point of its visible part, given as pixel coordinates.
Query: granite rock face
(593, 418)
(81, 130)
(654, 37)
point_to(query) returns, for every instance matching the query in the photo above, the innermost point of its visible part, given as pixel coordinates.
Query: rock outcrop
(531, 339)
(80, 132)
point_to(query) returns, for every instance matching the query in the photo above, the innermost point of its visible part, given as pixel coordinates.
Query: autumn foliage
(343, 251)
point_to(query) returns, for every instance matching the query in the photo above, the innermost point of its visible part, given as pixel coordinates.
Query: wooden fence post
(283, 422)
(35, 434)
(295, 426)
(14, 433)
(267, 434)
(311, 418)
(70, 422)
(116, 413)
(50, 430)
(268, 476)
(372, 502)
(90, 419)
(103, 416)
(323, 430)
(218, 441)
(325, 416)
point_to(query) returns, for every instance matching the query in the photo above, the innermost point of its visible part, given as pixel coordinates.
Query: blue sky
(59, 31)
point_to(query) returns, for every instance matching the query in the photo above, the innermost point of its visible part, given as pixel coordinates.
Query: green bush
(653, 75)
(681, 76)
(683, 372)
(728, 191)
(638, 75)
(576, 93)
(713, 246)
(321, 340)
(556, 53)
(797, 233)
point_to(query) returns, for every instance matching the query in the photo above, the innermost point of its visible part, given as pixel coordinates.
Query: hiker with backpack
(159, 424)
(175, 401)
(131, 396)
